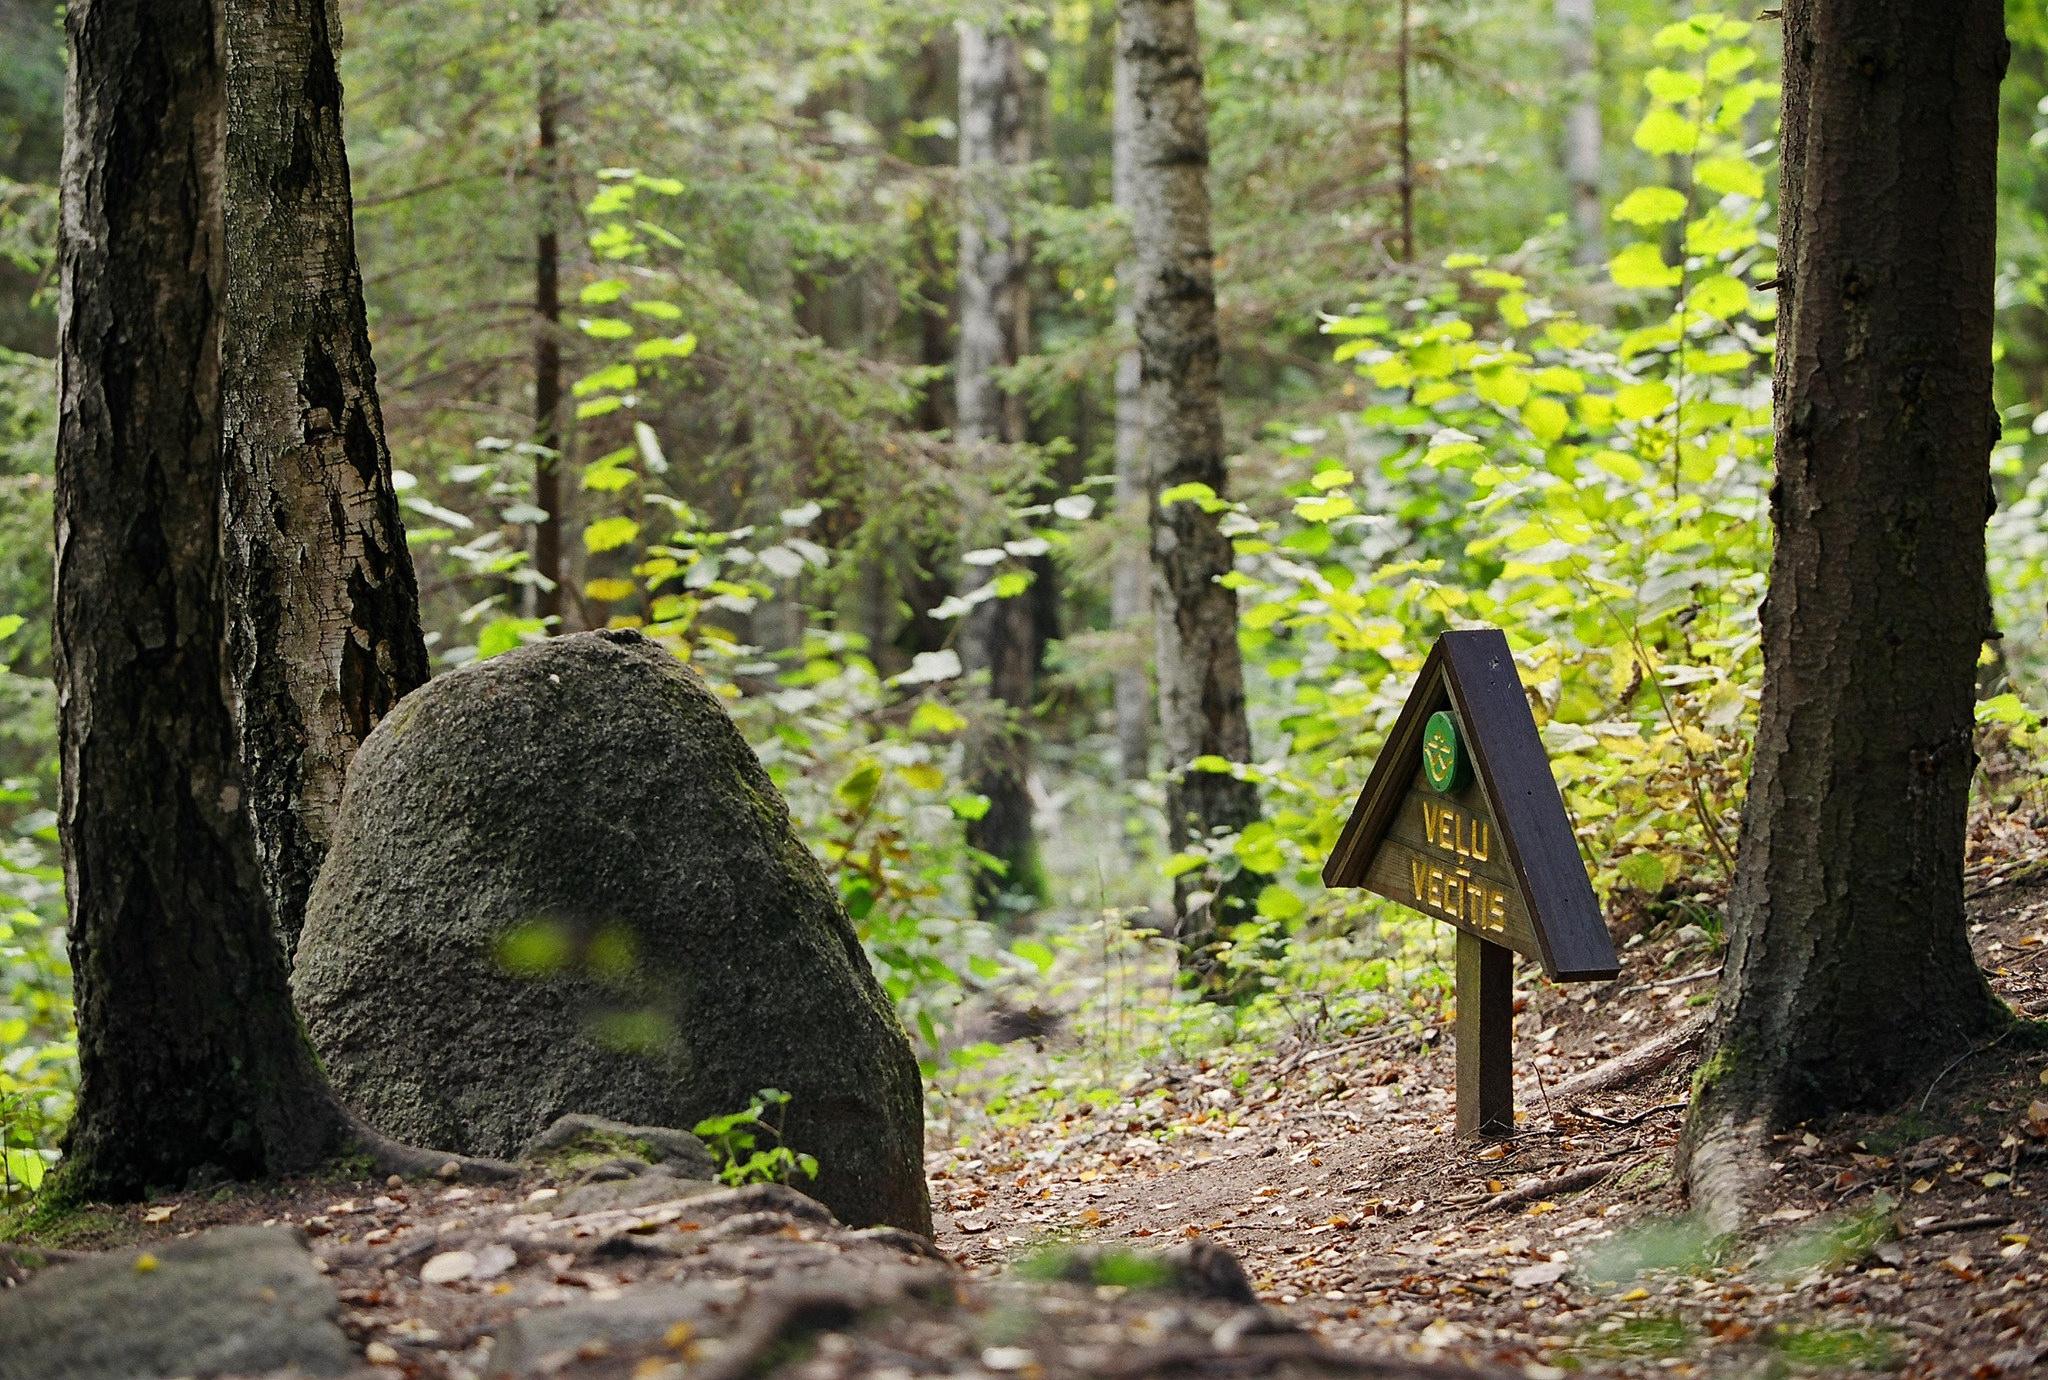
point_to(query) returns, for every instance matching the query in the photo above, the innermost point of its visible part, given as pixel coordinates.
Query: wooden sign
(1462, 821)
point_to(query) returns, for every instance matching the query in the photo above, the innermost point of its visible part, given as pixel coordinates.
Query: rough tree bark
(999, 637)
(1849, 976)
(1580, 53)
(189, 1053)
(1173, 300)
(1130, 604)
(324, 631)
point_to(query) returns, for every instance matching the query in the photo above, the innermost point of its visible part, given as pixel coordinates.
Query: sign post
(1462, 821)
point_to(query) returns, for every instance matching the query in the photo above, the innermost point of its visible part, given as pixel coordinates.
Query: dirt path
(1919, 1244)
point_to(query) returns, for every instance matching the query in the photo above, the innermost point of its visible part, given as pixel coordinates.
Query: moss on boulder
(562, 883)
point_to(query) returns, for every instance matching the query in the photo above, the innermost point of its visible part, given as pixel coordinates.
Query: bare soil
(1914, 1243)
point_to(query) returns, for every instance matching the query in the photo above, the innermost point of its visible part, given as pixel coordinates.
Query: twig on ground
(1979, 1223)
(1571, 1181)
(1616, 1123)
(1653, 1056)
(1714, 971)
(1960, 1060)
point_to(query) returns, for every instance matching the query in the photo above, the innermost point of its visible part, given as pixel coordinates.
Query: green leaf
(1673, 87)
(10, 625)
(1035, 953)
(1646, 399)
(1644, 872)
(1665, 131)
(1546, 419)
(1720, 296)
(608, 534)
(1276, 902)
(1730, 176)
(604, 327)
(1186, 493)
(602, 292)
(934, 717)
(1641, 265)
(1651, 206)
(968, 807)
(858, 788)
(503, 634)
(662, 347)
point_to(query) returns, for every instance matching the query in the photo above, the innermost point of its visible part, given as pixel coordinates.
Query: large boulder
(560, 883)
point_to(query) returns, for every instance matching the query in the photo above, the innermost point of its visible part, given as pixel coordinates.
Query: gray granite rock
(232, 1301)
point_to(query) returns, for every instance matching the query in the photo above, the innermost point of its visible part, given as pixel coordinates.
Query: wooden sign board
(1462, 821)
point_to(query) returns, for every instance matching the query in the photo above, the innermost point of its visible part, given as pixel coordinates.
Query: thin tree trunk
(324, 632)
(1407, 136)
(1173, 300)
(1849, 974)
(548, 598)
(189, 1052)
(1580, 53)
(999, 637)
(1129, 602)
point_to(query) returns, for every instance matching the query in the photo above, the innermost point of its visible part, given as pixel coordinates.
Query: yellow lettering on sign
(1451, 890)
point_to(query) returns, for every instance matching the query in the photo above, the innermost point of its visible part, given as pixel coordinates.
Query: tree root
(387, 1156)
(1726, 1166)
(1652, 1056)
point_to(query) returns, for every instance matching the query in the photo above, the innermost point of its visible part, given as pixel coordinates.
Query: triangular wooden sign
(1462, 821)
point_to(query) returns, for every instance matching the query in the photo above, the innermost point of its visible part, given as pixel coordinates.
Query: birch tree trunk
(1850, 981)
(1173, 301)
(1581, 77)
(324, 631)
(189, 1052)
(999, 638)
(1129, 601)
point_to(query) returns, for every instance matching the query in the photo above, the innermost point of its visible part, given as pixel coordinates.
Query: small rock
(395, 1181)
(494, 1260)
(381, 1354)
(449, 1172)
(448, 1267)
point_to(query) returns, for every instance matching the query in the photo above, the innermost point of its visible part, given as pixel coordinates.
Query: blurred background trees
(804, 337)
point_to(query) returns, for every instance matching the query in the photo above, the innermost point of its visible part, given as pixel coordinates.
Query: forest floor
(1372, 1240)
(1915, 1243)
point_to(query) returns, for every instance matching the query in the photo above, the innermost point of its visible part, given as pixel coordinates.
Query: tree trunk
(1129, 604)
(1580, 53)
(999, 636)
(1173, 301)
(548, 598)
(1849, 975)
(1403, 62)
(324, 625)
(189, 1053)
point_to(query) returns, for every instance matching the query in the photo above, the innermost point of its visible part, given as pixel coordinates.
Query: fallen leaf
(1536, 1276)
(160, 1214)
(144, 1263)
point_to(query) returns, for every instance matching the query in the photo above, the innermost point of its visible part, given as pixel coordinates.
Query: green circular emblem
(1444, 764)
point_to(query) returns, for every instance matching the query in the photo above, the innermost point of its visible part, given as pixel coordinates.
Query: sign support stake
(1485, 1037)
